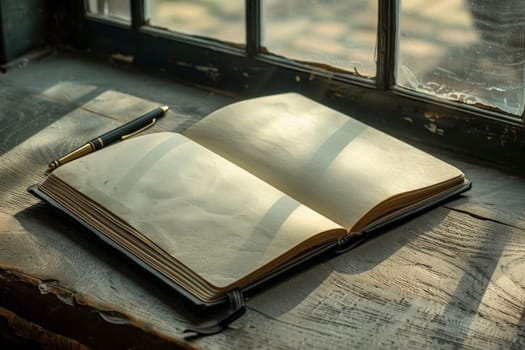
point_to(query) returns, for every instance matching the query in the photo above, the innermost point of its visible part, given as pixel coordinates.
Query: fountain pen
(123, 132)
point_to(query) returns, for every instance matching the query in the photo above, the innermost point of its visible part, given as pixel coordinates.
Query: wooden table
(452, 277)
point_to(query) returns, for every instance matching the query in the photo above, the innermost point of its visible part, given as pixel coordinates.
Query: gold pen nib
(165, 108)
(77, 153)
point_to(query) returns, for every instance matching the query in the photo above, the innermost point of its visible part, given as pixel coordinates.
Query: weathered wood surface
(452, 277)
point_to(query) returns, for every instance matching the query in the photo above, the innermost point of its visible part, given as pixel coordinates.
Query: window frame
(247, 70)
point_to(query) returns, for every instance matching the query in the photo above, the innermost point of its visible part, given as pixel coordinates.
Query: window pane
(339, 33)
(466, 50)
(219, 19)
(118, 9)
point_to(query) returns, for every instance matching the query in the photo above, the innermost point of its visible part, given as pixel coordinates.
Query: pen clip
(125, 137)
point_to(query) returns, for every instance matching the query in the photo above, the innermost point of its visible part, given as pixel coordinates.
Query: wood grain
(441, 280)
(452, 277)
(496, 195)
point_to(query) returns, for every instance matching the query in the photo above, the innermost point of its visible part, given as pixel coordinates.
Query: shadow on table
(103, 278)
(319, 278)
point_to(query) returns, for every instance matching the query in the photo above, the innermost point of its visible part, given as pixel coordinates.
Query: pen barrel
(122, 132)
(126, 129)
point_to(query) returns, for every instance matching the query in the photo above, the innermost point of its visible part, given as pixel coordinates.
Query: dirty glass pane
(338, 33)
(118, 9)
(471, 51)
(219, 19)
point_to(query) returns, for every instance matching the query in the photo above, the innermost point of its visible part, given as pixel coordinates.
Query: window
(111, 9)
(222, 20)
(454, 68)
(470, 51)
(340, 34)
(467, 51)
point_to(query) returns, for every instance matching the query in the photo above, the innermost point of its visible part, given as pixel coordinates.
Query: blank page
(333, 163)
(214, 217)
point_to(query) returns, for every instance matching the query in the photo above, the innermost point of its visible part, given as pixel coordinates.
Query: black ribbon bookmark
(237, 309)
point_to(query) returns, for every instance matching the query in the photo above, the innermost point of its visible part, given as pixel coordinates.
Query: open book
(251, 189)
